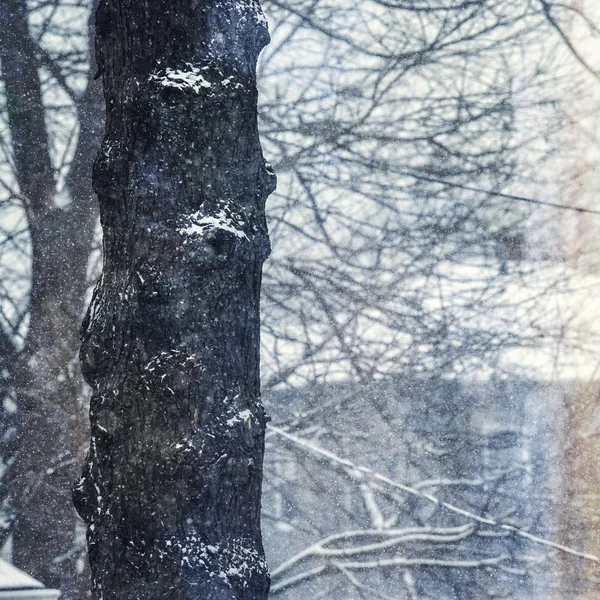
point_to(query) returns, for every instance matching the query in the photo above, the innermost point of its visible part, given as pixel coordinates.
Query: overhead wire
(514, 197)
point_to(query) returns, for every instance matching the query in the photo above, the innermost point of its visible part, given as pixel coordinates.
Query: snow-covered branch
(392, 537)
(360, 472)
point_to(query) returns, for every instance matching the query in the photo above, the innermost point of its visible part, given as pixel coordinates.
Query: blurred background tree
(51, 125)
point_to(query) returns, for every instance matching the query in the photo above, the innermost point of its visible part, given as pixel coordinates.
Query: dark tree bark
(171, 487)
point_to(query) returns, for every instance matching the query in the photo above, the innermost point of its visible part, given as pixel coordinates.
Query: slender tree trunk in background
(50, 420)
(171, 487)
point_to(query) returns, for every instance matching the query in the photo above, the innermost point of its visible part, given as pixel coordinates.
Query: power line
(507, 196)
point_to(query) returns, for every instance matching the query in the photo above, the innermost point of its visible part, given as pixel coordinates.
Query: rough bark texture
(50, 420)
(171, 487)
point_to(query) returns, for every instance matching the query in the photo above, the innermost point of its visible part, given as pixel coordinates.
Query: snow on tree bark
(171, 487)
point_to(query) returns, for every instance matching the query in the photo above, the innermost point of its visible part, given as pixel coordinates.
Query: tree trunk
(171, 487)
(50, 420)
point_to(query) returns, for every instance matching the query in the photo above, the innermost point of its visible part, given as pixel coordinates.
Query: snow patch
(244, 416)
(186, 445)
(260, 17)
(190, 79)
(222, 220)
(236, 560)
